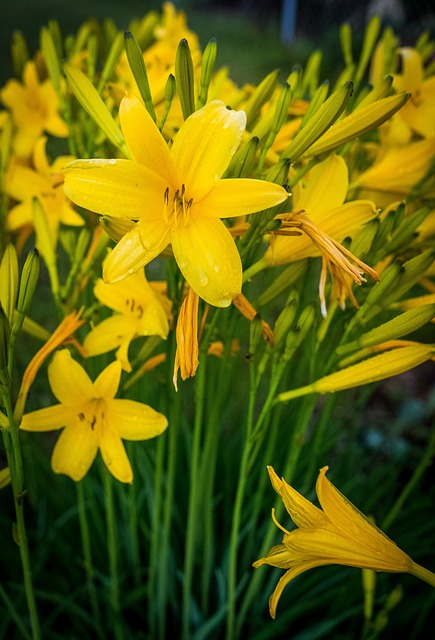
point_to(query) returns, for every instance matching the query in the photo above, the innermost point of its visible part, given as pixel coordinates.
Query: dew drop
(203, 278)
(128, 242)
(217, 268)
(112, 161)
(130, 271)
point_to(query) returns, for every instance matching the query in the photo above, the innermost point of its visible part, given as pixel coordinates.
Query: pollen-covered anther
(178, 209)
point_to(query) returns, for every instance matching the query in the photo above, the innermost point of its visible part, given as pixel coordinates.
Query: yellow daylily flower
(338, 533)
(419, 112)
(177, 197)
(35, 108)
(44, 182)
(93, 419)
(140, 311)
(322, 197)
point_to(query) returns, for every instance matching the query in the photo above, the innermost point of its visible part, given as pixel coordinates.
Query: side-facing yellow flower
(93, 419)
(338, 533)
(44, 182)
(177, 196)
(140, 311)
(35, 108)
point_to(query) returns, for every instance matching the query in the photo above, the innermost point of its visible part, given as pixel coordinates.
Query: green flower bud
(5, 334)
(28, 282)
(207, 68)
(9, 278)
(185, 78)
(137, 65)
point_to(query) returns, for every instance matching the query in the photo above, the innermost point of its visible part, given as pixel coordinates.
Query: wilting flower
(177, 197)
(140, 311)
(186, 356)
(93, 419)
(336, 534)
(35, 108)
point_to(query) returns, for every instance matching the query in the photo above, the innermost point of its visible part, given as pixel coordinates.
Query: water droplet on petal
(130, 271)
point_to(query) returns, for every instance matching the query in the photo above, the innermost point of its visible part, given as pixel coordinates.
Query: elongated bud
(398, 327)
(346, 43)
(170, 90)
(207, 68)
(52, 59)
(185, 78)
(137, 65)
(93, 104)
(111, 60)
(255, 334)
(357, 123)
(5, 476)
(285, 321)
(9, 278)
(299, 332)
(261, 95)
(28, 281)
(19, 52)
(243, 161)
(5, 334)
(317, 100)
(379, 367)
(321, 121)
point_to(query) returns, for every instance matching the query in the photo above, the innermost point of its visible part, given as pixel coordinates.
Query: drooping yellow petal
(136, 249)
(134, 420)
(47, 419)
(208, 259)
(204, 146)
(145, 142)
(107, 383)
(119, 188)
(411, 77)
(69, 382)
(237, 197)
(114, 454)
(75, 451)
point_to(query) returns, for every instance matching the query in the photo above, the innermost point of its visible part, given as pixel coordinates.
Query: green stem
(113, 553)
(423, 574)
(413, 481)
(194, 495)
(14, 614)
(15, 462)
(87, 556)
(154, 555)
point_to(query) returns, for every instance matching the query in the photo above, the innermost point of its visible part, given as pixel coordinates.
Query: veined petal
(138, 247)
(325, 188)
(303, 512)
(75, 451)
(145, 142)
(120, 188)
(114, 455)
(354, 525)
(204, 146)
(68, 380)
(46, 419)
(135, 420)
(240, 196)
(109, 334)
(208, 259)
(107, 383)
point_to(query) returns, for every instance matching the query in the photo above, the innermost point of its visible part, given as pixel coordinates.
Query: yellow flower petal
(136, 421)
(107, 383)
(136, 249)
(47, 419)
(69, 382)
(120, 188)
(324, 189)
(144, 140)
(208, 259)
(238, 196)
(205, 144)
(109, 334)
(75, 451)
(114, 455)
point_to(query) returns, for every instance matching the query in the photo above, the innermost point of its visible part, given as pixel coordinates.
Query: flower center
(91, 415)
(176, 209)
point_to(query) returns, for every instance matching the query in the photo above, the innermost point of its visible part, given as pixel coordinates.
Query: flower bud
(9, 278)
(5, 333)
(184, 76)
(137, 65)
(28, 282)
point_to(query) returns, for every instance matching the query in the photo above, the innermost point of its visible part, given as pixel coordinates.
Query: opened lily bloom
(177, 197)
(93, 419)
(336, 534)
(140, 311)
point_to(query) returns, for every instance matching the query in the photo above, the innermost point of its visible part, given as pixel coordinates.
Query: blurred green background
(248, 31)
